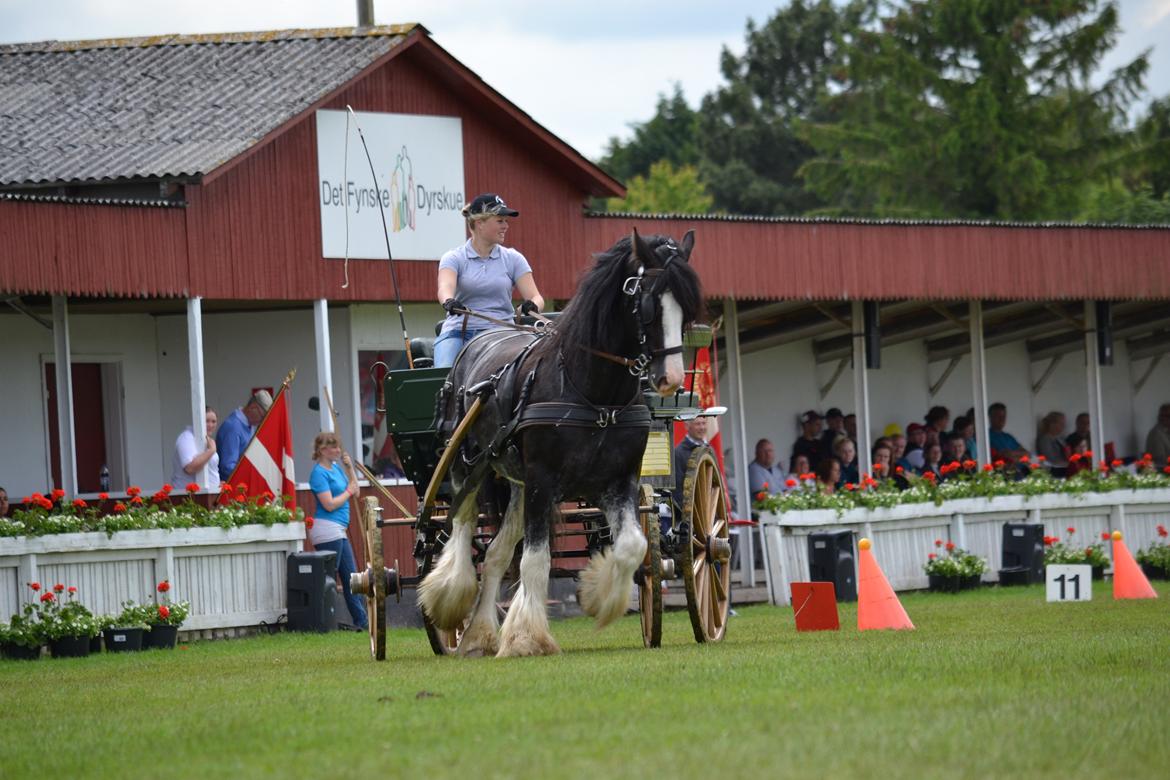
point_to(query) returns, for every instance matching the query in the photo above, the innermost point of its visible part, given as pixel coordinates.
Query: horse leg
(480, 638)
(449, 589)
(525, 630)
(604, 590)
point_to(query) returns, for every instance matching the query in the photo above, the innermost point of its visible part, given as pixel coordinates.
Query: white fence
(232, 577)
(904, 535)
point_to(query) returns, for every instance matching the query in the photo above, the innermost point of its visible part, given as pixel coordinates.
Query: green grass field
(992, 682)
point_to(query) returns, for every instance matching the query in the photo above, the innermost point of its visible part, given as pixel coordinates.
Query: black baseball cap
(490, 203)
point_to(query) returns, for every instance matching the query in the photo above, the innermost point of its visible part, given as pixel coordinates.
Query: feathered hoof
(478, 641)
(599, 593)
(447, 602)
(523, 645)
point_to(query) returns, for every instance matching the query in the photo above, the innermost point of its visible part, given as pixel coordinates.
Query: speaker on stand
(1023, 554)
(312, 591)
(831, 559)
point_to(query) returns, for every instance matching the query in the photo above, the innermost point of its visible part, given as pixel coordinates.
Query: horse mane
(599, 312)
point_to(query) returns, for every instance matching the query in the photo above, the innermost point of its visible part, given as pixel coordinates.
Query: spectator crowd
(825, 452)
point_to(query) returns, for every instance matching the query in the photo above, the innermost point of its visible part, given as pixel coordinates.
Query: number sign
(1069, 583)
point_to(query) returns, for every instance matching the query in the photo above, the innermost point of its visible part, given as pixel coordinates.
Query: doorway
(98, 428)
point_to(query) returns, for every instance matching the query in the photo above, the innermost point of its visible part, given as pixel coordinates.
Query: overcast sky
(585, 69)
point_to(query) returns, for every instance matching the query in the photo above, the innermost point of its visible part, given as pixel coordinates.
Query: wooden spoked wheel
(376, 593)
(706, 561)
(650, 589)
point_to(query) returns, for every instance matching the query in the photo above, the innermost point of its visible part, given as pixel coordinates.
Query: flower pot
(1098, 572)
(945, 584)
(1155, 572)
(123, 640)
(70, 647)
(95, 644)
(162, 637)
(970, 583)
(20, 652)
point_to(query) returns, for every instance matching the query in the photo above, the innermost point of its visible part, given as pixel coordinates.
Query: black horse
(565, 421)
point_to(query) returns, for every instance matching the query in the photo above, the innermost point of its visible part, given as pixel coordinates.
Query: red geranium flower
(1071, 530)
(133, 490)
(35, 585)
(1049, 541)
(1162, 531)
(850, 486)
(999, 464)
(58, 493)
(1147, 456)
(764, 486)
(137, 501)
(58, 588)
(308, 524)
(164, 586)
(790, 482)
(1106, 536)
(1024, 459)
(929, 476)
(103, 496)
(988, 467)
(1074, 457)
(1115, 462)
(167, 488)
(899, 470)
(1088, 551)
(192, 487)
(879, 467)
(761, 495)
(241, 486)
(119, 507)
(72, 588)
(163, 611)
(932, 556)
(969, 464)
(1088, 453)
(950, 546)
(80, 503)
(938, 542)
(46, 597)
(1166, 469)
(1041, 458)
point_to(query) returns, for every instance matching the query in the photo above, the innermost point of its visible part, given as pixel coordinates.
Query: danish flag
(267, 464)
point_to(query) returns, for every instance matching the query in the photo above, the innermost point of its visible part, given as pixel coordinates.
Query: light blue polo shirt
(484, 283)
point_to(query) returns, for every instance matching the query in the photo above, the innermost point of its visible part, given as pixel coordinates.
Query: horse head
(667, 299)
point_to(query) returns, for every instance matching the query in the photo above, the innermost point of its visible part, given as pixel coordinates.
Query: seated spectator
(965, 427)
(802, 468)
(1080, 427)
(938, 421)
(897, 448)
(1080, 458)
(834, 427)
(1004, 446)
(851, 427)
(931, 460)
(881, 459)
(846, 452)
(954, 448)
(1050, 443)
(915, 441)
(3, 502)
(828, 475)
(764, 473)
(809, 443)
(1158, 439)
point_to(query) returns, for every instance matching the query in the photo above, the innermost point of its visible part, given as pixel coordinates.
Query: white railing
(904, 535)
(232, 577)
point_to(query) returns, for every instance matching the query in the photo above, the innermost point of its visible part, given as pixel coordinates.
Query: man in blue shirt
(764, 473)
(236, 431)
(1004, 446)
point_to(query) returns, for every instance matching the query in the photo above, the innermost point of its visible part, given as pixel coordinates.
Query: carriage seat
(422, 352)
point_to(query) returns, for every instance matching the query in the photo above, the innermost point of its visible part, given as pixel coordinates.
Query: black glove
(528, 307)
(451, 304)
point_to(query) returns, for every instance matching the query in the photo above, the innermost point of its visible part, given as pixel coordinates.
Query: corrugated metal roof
(170, 106)
(81, 201)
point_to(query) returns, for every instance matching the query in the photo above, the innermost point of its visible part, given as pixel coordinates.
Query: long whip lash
(386, 235)
(345, 183)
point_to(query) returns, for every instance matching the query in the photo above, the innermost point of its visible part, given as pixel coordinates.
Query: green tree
(748, 129)
(1153, 159)
(666, 190)
(668, 135)
(971, 108)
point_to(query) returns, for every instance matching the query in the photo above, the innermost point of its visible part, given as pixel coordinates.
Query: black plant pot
(162, 637)
(1098, 573)
(971, 583)
(20, 652)
(95, 644)
(123, 640)
(945, 584)
(70, 647)
(1155, 572)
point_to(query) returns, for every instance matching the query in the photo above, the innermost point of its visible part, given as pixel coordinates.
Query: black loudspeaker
(1104, 332)
(312, 591)
(873, 334)
(1023, 554)
(830, 559)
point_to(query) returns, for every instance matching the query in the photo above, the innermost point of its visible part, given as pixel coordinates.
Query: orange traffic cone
(877, 606)
(1128, 580)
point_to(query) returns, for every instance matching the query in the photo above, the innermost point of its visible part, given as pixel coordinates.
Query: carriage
(686, 531)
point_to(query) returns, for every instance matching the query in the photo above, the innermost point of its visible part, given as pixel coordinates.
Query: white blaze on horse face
(672, 322)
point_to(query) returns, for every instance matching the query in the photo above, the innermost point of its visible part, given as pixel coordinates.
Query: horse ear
(640, 251)
(688, 243)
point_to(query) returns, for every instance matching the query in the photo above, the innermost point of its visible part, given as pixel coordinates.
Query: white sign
(418, 162)
(1065, 582)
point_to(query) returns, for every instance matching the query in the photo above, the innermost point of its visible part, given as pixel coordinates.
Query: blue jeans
(345, 567)
(448, 345)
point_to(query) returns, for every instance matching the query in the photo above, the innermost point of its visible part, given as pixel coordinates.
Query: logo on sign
(402, 198)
